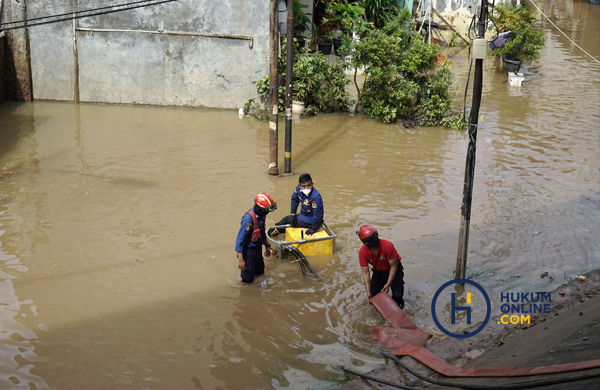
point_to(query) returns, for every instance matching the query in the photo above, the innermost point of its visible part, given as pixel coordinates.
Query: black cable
(466, 90)
(76, 12)
(301, 257)
(372, 378)
(520, 385)
(85, 16)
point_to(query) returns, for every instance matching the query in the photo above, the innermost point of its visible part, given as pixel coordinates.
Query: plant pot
(297, 107)
(512, 66)
(325, 48)
(300, 41)
(337, 43)
(313, 48)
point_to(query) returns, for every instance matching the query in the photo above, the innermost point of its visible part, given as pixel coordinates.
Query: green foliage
(301, 20)
(348, 13)
(453, 40)
(251, 107)
(455, 122)
(314, 81)
(401, 81)
(380, 12)
(526, 41)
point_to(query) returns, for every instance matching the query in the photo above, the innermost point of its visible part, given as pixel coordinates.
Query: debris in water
(544, 275)
(255, 370)
(561, 293)
(536, 232)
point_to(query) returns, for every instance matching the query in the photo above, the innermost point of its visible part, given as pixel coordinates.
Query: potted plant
(525, 41)
(301, 22)
(348, 16)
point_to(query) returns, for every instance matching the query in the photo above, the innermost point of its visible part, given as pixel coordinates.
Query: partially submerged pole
(289, 69)
(273, 92)
(463, 238)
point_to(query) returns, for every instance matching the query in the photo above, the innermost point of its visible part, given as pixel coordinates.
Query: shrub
(314, 81)
(401, 79)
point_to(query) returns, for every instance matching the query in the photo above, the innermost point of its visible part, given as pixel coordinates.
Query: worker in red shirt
(385, 261)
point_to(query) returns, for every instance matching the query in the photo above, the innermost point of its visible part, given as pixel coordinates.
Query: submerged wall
(159, 55)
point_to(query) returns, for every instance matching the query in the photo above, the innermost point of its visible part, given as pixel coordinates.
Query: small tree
(401, 80)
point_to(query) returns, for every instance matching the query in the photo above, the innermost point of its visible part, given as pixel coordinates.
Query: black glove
(310, 232)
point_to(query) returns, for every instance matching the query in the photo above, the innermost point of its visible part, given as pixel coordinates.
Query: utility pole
(273, 92)
(479, 52)
(289, 70)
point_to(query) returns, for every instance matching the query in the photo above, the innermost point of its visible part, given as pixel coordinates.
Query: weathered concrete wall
(16, 52)
(143, 68)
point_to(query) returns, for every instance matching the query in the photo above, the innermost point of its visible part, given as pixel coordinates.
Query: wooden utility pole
(289, 70)
(463, 239)
(273, 92)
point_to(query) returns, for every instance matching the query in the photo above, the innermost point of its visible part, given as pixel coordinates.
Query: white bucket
(515, 79)
(297, 107)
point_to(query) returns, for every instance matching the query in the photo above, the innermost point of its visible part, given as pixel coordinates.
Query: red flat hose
(405, 339)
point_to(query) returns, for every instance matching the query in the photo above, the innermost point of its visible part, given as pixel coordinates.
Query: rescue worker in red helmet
(385, 262)
(252, 236)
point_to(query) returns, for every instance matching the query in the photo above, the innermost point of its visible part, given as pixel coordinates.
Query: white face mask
(307, 191)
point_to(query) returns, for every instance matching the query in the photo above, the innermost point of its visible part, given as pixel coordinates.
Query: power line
(26, 24)
(76, 12)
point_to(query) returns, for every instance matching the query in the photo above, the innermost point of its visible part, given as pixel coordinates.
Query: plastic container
(515, 79)
(316, 248)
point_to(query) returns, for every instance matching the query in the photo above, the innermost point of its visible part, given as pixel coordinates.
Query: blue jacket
(311, 207)
(243, 240)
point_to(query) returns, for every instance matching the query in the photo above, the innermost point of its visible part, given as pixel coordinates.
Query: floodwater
(117, 263)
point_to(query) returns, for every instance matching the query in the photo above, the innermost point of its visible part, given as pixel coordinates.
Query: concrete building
(198, 53)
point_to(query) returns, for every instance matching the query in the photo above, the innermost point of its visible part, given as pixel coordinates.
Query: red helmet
(367, 233)
(265, 201)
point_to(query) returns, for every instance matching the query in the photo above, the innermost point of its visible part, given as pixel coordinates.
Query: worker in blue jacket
(311, 207)
(252, 236)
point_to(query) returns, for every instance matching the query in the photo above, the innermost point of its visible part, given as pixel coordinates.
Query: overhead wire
(75, 12)
(26, 24)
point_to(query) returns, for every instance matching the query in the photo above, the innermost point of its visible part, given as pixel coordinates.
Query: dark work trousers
(292, 220)
(379, 279)
(255, 265)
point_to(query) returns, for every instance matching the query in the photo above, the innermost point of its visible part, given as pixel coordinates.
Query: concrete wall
(159, 69)
(16, 66)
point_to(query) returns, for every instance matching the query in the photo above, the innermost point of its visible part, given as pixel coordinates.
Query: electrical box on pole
(479, 48)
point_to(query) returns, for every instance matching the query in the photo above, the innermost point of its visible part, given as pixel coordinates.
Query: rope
(559, 30)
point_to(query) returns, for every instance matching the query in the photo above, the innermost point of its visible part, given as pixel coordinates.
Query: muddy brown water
(117, 263)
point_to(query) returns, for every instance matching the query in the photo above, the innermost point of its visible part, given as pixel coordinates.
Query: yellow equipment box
(315, 248)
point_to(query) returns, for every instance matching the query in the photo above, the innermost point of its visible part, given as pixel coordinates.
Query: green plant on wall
(526, 41)
(401, 78)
